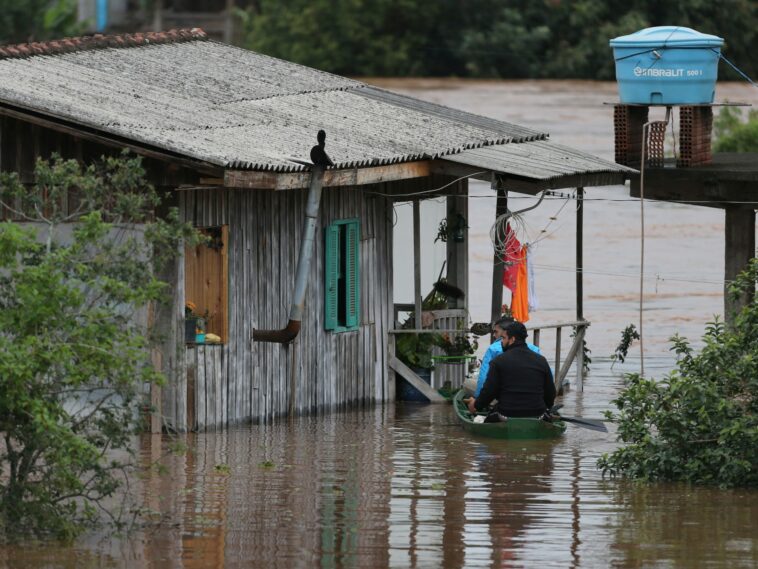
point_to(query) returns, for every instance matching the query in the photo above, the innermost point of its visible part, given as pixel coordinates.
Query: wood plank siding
(242, 381)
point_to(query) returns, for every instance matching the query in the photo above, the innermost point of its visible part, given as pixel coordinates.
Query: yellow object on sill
(212, 339)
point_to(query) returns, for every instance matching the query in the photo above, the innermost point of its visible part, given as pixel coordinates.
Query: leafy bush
(481, 38)
(700, 423)
(38, 20)
(415, 350)
(735, 135)
(74, 357)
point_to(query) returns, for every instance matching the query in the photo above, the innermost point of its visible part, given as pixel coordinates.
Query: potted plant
(415, 350)
(459, 348)
(194, 324)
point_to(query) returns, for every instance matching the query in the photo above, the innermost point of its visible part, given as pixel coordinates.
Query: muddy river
(403, 485)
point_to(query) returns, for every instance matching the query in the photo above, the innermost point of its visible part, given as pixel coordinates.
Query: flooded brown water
(403, 485)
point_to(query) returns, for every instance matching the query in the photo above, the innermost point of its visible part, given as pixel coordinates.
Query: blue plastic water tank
(667, 65)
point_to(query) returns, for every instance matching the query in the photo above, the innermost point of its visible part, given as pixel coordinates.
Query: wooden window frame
(204, 292)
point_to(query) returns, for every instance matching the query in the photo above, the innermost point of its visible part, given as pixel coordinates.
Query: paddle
(592, 424)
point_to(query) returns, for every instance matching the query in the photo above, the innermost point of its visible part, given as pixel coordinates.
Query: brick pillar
(656, 136)
(627, 125)
(695, 125)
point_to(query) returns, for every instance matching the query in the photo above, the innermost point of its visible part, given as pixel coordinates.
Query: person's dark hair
(503, 321)
(516, 330)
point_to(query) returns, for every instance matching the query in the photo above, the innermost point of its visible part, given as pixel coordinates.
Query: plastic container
(406, 391)
(667, 65)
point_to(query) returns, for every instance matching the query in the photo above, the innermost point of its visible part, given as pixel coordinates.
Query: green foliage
(74, 351)
(463, 344)
(37, 20)
(482, 38)
(587, 359)
(415, 350)
(628, 335)
(700, 423)
(734, 135)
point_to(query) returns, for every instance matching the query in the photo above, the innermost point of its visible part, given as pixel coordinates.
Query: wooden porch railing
(447, 321)
(575, 351)
(443, 321)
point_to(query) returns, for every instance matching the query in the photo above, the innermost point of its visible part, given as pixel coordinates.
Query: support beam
(560, 374)
(410, 376)
(457, 252)
(229, 21)
(417, 263)
(557, 370)
(158, 16)
(254, 179)
(497, 262)
(739, 249)
(580, 332)
(579, 253)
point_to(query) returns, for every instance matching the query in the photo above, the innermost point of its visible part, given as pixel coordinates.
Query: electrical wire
(657, 276)
(435, 190)
(543, 233)
(586, 199)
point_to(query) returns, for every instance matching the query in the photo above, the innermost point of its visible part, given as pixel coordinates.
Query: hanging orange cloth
(520, 299)
(511, 259)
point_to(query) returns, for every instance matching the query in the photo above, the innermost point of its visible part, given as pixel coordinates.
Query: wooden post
(579, 254)
(557, 370)
(391, 376)
(229, 22)
(570, 357)
(457, 253)
(417, 262)
(293, 348)
(739, 249)
(156, 357)
(158, 16)
(580, 330)
(497, 263)
(580, 286)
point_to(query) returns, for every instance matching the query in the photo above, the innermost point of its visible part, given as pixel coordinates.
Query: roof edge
(100, 41)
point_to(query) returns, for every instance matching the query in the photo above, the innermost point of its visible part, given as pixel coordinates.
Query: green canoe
(514, 428)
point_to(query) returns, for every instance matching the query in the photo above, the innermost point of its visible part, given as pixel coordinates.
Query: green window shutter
(331, 281)
(352, 275)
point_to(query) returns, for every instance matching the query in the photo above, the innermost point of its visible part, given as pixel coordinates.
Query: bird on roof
(318, 155)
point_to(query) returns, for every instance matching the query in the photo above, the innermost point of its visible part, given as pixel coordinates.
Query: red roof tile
(99, 41)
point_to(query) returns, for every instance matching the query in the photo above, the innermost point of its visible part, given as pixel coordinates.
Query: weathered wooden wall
(241, 380)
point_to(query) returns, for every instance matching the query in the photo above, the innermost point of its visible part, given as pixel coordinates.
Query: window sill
(340, 330)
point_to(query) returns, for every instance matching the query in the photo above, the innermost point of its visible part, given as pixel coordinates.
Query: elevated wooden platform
(729, 182)
(729, 178)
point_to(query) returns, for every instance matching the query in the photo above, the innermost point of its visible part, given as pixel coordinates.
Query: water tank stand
(694, 144)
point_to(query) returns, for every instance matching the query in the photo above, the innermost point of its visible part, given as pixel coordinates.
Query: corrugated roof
(232, 107)
(539, 160)
(238, 109)
(513, 132)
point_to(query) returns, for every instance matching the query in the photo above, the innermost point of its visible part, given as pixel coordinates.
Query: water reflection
(405, 486)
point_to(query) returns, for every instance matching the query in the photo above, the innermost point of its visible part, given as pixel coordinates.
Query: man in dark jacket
(519, 379)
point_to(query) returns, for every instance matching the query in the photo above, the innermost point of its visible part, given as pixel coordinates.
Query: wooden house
(226, 133)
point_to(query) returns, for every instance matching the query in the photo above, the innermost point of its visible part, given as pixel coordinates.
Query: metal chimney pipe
(292, 329)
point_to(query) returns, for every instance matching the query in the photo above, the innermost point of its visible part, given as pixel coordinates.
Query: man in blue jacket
(519, 379)
(495, 349)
